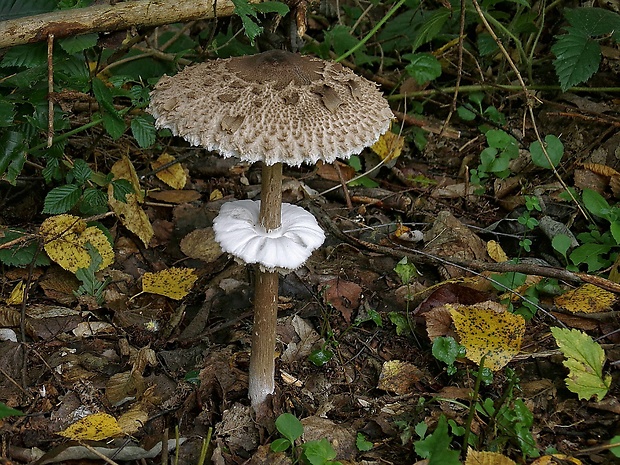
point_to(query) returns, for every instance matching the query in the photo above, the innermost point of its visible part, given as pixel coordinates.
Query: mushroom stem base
(262, 358)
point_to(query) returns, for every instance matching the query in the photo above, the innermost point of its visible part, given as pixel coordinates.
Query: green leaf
(363, 444)
(465, 113)
(318, 452)
(7, 113)
(272, 7)
(615, 441)
(595, 203)
(25, 56)
(121, 187)
(555, 150)
(503, 141)
(61, 199)
(405, 270)
(594, 21)
(143, 130)
(341, 39)
(431, 27)
(94, 202)
(614, 228)
(321, 356)
(584, 359)
(113, 123)
(79, 43)
(423, 67)
(6, 411)
(591, 254)
(577, 57)
(436, 446)
(280, 445)
(21, 254)
(561, 243)
(400, 321)
(11, 148)
(246, 12)
(289, 426)
(80, 172)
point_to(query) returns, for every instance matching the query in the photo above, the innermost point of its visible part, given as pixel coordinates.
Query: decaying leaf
(132, 421)
(487, 330)
(602, 170)
(174, 175)
(173, 282)
(486, 458)
(398, 377)
(201, 244)
(66, 237)
(124, 386)
(130, 213)
(175, 196)
(495, 251)
(389, 146)
(586, 299)
(17, 294)
(95, 427)
(584, 359)
(556, 459)
(343, 295)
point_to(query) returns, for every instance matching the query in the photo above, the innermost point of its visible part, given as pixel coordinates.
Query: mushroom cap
(274, 106)
(239, 233)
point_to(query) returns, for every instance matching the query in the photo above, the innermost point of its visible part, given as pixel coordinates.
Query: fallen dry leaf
(586, 299)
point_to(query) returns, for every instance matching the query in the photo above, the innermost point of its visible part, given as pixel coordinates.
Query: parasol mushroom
(275, 107)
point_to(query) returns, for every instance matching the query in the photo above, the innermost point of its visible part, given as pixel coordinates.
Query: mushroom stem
(262, 362)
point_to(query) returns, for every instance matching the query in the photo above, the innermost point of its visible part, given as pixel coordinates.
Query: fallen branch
(103, 18)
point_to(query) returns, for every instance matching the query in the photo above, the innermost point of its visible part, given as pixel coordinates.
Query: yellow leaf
(66, 237)
(130, 213)
(602, 170)
(17, 294)
(95, 427)
(174, 175)
(173, 282)
(487, 330)
(486, 458)
(587, 299)
(556, 459)
(389, 146)
(496, 252)
(216, 194)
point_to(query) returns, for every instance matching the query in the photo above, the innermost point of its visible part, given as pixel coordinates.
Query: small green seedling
(447, 350)
(318, 452)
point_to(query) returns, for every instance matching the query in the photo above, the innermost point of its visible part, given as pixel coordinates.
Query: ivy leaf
(577, 57)
(584, 359)
(436, 446)
(61, 199)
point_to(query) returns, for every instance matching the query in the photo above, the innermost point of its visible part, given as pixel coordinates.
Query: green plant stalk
(96, 120)
(472, 408)
(372, 32)
(205, 446)
(531, 44)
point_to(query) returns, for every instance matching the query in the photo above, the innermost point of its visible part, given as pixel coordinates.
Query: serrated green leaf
(80, 172)
(593, 21)
(143, 130)
(12, 9)
(61, 199)
(7, 113)
(577, 57)
(341, 39)
(79, 43)
(555, 150)
(113, 124)
(246, 12)
(12, 147)
(272, 7)
(21, 254)
(122, 187)
(94, 202)
(584, 359)
(25, 56)
(431, 27)
(436, 446)
(423, 67)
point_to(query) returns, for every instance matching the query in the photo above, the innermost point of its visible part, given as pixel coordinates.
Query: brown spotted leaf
(488, 331)
(586, 299)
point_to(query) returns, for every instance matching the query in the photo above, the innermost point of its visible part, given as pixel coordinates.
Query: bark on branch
(101, 18)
